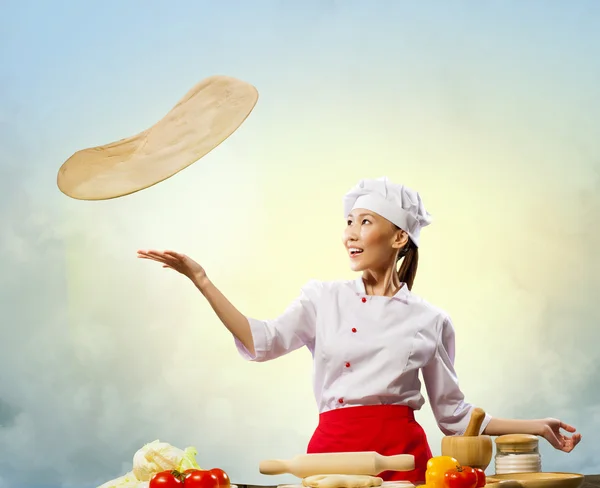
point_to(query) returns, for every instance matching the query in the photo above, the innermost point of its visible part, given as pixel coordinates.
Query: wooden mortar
(470, 449)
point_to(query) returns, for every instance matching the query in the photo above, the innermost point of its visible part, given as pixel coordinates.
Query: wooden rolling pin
(366, 463)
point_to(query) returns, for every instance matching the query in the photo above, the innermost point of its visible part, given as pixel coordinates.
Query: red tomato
(463, 477)
(200, 478)
(480, 477)
(166, 479)
(221, 476)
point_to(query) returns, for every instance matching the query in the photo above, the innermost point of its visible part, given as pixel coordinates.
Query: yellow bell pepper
(437, 468)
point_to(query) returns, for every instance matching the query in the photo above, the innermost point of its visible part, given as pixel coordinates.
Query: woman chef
(369, 338)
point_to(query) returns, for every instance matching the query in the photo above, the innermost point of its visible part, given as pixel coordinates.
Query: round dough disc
(207, 115)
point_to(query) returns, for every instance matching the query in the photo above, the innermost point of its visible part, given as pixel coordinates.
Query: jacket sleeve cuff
(260, 339)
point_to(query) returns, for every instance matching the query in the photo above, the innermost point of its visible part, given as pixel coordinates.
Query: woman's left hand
(550, 429)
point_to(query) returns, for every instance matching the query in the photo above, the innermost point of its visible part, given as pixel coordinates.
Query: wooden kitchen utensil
(368, 463)
(537, 480)
(505, 484)
(470, 449)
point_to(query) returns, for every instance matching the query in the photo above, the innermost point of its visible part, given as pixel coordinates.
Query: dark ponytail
(410, 261)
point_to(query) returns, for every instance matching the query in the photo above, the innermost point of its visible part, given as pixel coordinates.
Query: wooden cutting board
(536, 480)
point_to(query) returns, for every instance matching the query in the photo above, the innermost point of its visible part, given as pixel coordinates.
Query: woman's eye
(366, 221)
(349, 222)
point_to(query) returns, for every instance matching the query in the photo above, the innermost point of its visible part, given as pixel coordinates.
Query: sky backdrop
(488, 109)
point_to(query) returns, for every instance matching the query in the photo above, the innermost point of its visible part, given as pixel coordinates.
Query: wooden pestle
(477, 417)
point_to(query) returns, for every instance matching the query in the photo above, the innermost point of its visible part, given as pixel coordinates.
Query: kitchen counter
(590, 481)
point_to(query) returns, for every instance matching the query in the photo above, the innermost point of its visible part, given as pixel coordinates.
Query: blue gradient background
(489, 109)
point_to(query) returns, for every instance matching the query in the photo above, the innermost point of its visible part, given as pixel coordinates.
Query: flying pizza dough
(207, 115)
(341, 481)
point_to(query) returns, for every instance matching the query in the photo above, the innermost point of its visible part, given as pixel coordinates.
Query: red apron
(386, 429)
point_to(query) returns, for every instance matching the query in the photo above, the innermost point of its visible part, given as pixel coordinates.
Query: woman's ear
(400, 239)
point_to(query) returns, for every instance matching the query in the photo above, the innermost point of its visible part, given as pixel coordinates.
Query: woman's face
(371, 241)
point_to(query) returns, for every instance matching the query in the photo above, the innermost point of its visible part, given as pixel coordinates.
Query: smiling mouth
(355, 251)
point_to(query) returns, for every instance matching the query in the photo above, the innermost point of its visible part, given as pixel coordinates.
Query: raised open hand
(551, 431)
(176, 261)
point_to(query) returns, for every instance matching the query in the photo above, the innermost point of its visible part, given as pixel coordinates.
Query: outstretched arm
(549, 429)
(256, 340)
(230, 316)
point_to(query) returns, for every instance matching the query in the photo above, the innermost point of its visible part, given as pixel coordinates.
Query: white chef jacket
(368, 350)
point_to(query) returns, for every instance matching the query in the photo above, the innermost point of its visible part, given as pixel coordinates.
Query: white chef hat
(396, 203)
